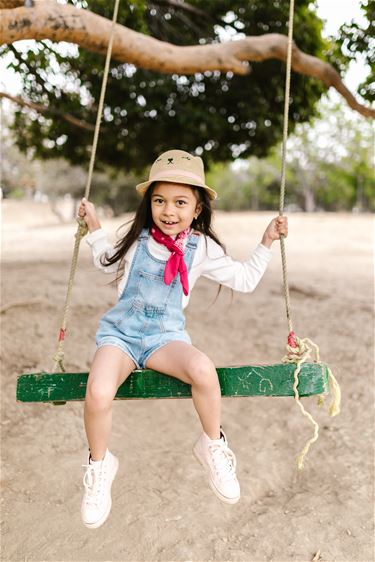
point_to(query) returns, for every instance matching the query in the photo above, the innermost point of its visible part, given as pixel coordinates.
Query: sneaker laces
(93, 481)
(224, 460)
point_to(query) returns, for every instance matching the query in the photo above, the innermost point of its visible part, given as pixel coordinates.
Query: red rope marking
(62, 334)
(292, 342)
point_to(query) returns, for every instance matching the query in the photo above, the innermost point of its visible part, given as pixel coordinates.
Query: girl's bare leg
(185, 362)
(109, 370)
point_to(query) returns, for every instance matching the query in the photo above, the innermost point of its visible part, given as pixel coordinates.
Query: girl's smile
(174, 207)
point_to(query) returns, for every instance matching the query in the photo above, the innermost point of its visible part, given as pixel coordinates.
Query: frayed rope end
(334, 387)
(300, 461)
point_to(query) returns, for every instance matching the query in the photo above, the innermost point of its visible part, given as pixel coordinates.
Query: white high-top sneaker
(220, 463)
(97, 480)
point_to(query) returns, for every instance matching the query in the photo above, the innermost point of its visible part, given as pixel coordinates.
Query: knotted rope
(82, 227)
(298, 350)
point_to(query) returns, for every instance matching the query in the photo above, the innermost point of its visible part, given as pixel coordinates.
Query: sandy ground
(163, 508)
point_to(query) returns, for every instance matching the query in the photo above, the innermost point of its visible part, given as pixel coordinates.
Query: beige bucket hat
(177, 166)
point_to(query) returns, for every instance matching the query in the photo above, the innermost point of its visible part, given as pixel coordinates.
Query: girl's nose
(168, 209)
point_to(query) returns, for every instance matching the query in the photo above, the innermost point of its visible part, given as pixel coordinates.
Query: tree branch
(58, 22)
(45, 109)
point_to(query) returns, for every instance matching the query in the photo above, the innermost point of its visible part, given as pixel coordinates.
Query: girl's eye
(181, 202)
(158, 200)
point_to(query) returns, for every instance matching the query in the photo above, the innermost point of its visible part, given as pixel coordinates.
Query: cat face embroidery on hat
(173, 159)
(178, 166)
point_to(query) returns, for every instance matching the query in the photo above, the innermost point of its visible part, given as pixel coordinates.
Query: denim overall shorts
(149, 313)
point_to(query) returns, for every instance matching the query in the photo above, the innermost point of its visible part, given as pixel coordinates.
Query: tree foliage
(329, 167)
(218, 115)
(355, 39)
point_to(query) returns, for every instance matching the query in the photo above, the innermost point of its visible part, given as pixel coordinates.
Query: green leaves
(220, 116)
(358, 41)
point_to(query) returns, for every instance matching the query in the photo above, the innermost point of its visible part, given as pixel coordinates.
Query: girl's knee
(99, 395)
(202, 372)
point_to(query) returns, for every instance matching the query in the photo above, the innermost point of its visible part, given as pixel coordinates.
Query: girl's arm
(242, 276)
(100, 247)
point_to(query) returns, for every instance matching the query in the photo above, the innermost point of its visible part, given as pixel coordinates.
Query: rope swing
(82, 227)
(298, 350)
(294, 377)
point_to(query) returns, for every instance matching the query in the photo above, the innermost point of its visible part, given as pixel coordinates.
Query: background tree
(359, 40)
(330, 167)
(218, 115)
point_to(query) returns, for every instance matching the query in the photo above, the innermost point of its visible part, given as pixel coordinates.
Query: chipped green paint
(257, 380)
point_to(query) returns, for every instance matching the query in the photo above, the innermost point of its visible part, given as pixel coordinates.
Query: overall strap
(144, 234)
(190, 249)
(193, 240)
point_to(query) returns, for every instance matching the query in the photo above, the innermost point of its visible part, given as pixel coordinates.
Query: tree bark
(64, 22)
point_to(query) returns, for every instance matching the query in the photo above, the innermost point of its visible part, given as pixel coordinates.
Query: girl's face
(174, 207)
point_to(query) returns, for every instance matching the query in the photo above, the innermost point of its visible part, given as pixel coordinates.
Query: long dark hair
(143, 219)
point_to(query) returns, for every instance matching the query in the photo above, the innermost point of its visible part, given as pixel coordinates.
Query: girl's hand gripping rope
(87, 212)
(278, 227)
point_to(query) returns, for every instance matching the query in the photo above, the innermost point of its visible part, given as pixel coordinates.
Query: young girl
(169, 245)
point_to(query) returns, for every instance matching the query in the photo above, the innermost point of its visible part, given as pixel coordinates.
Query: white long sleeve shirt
(209, 261)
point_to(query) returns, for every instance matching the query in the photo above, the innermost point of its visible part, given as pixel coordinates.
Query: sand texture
(163, 509)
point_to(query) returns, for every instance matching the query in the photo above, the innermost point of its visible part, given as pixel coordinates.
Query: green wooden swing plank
(258, 380)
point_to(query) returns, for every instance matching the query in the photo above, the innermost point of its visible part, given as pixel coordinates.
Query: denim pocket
(153, 291)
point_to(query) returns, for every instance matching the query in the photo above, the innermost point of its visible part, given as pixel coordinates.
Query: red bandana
(176, 261)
